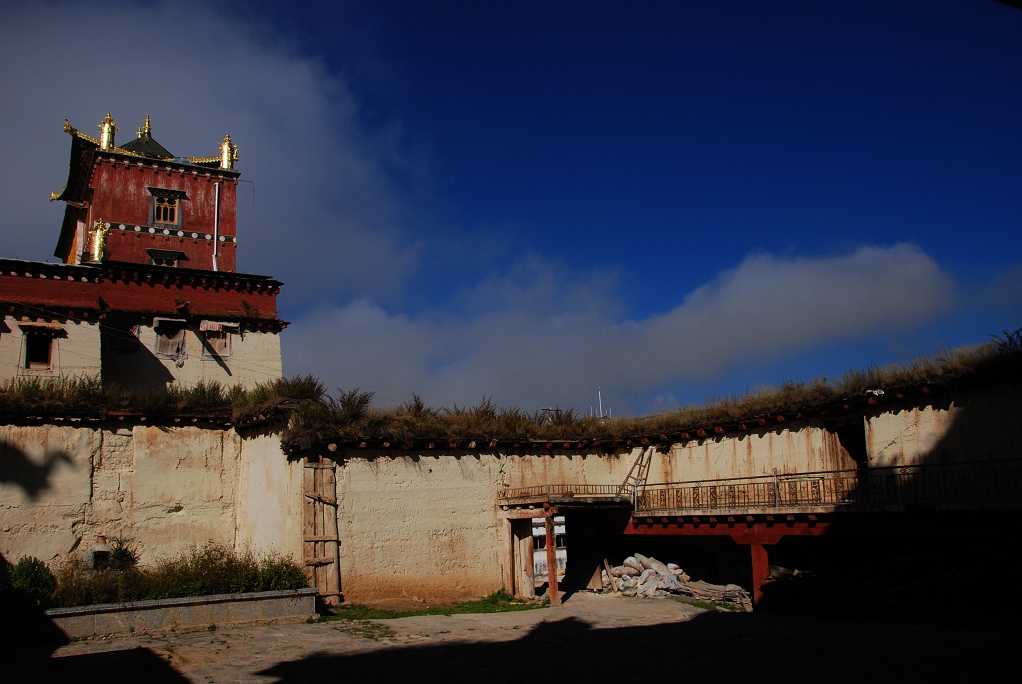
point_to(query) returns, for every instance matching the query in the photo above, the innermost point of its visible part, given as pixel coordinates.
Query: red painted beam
(741, 533)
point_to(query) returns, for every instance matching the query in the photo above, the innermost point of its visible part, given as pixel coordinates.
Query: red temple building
(147, 292)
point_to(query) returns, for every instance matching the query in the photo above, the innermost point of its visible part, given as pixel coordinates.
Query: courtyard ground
(598, 637)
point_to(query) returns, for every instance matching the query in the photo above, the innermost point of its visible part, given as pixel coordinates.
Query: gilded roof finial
(107, 129)
(97, 250)
(147, 130)
(228, 153)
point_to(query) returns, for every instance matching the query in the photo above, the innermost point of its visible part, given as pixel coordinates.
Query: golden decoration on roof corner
(107, 129)
(228, 153)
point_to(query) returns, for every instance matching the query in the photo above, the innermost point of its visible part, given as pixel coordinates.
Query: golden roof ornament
(146, 130)
(107, 129)
(97, 250)
(228, 153)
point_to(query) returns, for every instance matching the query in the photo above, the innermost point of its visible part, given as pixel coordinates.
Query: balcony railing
(568, 490)
(965, 484)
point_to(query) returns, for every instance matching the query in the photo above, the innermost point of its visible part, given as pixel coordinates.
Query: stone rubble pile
(647, 577)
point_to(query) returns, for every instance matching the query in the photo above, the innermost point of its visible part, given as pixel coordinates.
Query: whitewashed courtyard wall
(420, 526)
(411, 524)
(165, 489)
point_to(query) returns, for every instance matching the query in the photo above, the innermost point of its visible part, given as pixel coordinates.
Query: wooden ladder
(321, 546)
(637, 475)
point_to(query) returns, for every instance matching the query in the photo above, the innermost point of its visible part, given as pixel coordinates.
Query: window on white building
(170, 339)
(217, 337)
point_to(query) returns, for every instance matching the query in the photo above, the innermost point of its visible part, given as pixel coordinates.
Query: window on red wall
(166, 206)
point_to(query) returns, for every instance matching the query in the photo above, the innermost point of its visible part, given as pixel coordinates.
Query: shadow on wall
(924, 563)
(20, 470)
(134, 364)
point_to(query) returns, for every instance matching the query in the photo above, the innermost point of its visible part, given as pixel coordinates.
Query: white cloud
(534, 355)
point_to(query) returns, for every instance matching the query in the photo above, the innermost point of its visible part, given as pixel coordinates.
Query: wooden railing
(965, 484)
(608, 491)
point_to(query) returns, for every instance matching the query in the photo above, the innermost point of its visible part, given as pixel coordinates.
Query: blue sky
(530, 200)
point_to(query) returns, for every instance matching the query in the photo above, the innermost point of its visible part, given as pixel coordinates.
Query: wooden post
(510, 559)
(760, 571)
(528, 562)
(551, 561)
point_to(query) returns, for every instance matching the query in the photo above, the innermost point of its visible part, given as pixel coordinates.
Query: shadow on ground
(712, 647)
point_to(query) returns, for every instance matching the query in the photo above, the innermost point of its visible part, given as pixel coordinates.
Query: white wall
(75, 353)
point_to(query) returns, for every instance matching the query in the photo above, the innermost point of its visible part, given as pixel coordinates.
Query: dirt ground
(597, 637)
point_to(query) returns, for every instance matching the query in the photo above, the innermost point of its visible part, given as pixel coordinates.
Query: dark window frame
(158, 207)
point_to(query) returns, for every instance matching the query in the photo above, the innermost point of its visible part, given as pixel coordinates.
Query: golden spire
(107, 129)
(228, 153)
(146, 130)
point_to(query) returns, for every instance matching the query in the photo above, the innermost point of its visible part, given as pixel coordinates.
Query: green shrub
(209, 569)
(279, 573)
(74, 583)
(123, 556)
(31, 578)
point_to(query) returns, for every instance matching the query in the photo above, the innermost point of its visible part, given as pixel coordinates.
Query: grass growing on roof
(304, 413)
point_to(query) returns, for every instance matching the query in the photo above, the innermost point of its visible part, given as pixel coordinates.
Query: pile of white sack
(647, 577)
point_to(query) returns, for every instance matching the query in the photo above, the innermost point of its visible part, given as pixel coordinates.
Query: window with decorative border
(166, 206)
(217, 337)
(39, 346)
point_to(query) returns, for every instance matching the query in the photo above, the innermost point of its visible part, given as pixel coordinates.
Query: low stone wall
(141, 617)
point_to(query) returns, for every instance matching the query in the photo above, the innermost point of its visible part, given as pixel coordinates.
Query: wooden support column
(760, 571)
(510, 557)
(528, 547)
(551, 560)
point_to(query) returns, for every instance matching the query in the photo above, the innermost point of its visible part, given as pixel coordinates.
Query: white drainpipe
(216, 227)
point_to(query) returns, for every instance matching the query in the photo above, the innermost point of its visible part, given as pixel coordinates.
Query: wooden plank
(325, 465)
(331, 548)
(613, 580)
(321, 560)
(551, 563)
(309, 522)
(318, 497)
(522, 513)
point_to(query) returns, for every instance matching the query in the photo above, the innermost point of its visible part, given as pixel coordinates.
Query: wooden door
(322, 546)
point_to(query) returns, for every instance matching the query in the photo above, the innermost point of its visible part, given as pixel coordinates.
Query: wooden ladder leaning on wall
(321, 546)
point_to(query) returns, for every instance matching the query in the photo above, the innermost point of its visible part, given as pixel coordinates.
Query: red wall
(37, 292)
(223, 298)
(121, 196)
(207, 301)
